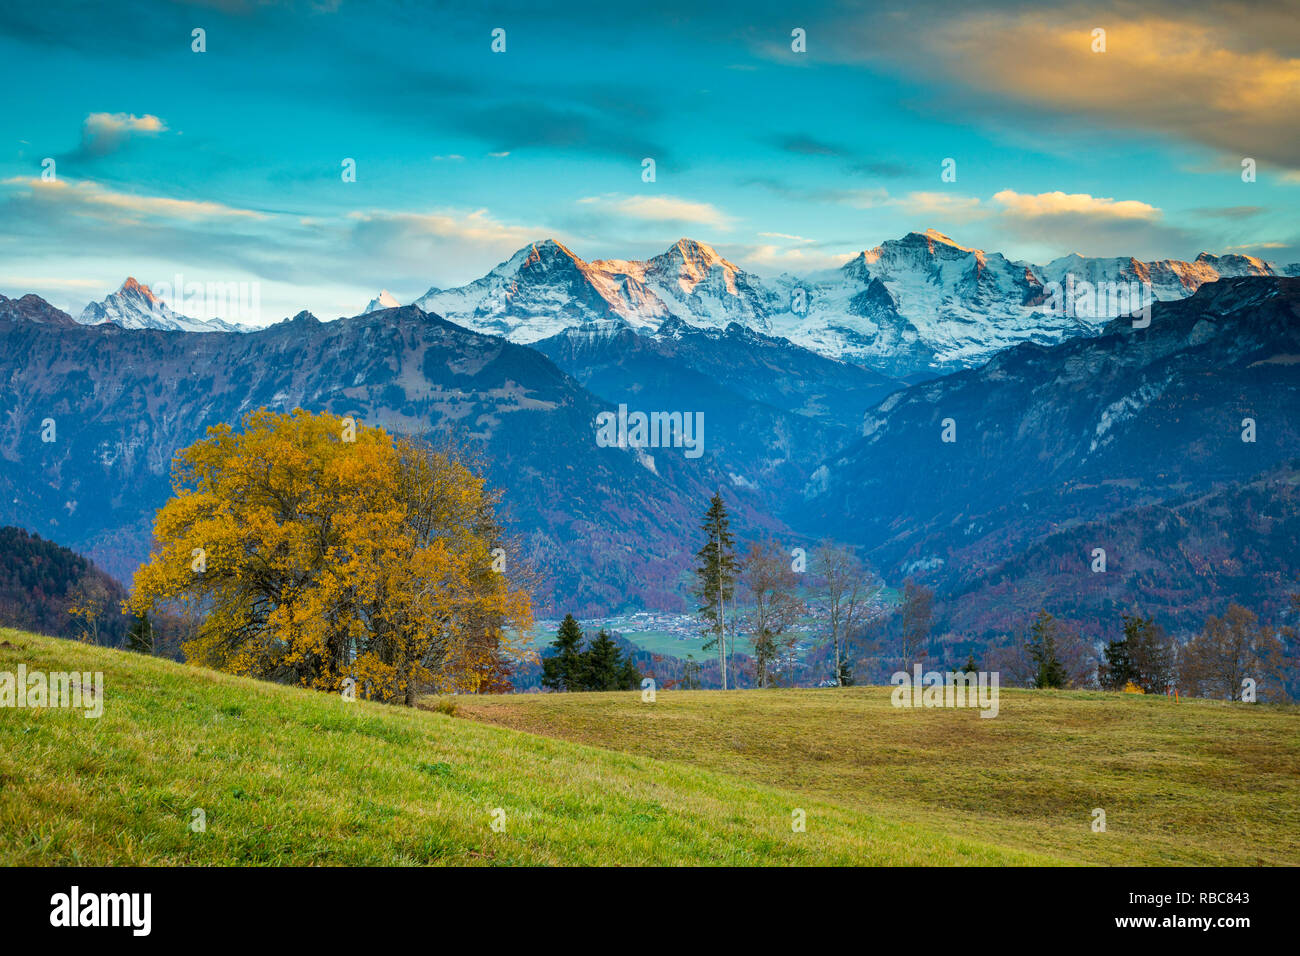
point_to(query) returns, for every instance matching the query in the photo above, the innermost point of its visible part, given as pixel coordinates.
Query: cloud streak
(88, 198)
(661, 209)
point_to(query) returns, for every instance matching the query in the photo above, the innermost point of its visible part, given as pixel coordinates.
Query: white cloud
(661, 209)
(1035, 206)
(473, 227)
(1223, 74)
(89, 198)
(103, 133)
(771, 259)
(124, 123)
(319, 263)
(785, 235)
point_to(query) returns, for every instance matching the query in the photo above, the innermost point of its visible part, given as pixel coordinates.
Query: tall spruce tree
(1152, 653)
(606, 669)
(602, 663)
(1145, 655)
(565, 669)
(1048, 670)
(716, 578)
(1117, 669)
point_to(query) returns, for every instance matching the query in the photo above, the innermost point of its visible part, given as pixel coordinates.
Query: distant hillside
(1186, 558)
(772, 410)
(607, 527)
(41, 581)
(1048, 440)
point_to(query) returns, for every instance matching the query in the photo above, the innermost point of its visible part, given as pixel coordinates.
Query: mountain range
(919, 305)
(1059, 447)
(771, 409)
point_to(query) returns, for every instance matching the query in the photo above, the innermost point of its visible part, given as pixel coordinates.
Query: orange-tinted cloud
(1217, 73)
(1029, 206)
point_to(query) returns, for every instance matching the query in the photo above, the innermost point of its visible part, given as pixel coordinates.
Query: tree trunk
(722, 625)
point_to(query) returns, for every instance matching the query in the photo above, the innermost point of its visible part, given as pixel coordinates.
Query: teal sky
(225, 165)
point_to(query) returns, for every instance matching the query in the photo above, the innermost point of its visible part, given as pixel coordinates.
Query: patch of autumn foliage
(316, 549)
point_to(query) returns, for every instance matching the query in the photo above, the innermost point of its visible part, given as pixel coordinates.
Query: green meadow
(285, 776)
(1185, 782)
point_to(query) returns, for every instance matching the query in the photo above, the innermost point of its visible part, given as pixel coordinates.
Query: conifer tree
(565, 669)
(1049, 672)
(602, 663)
(1117, 669)
(629, 678)
(605, 667)
(716, 578)
(1151, 652)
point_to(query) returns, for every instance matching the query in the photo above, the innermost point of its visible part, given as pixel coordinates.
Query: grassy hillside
(1188, 782)
(288, 776)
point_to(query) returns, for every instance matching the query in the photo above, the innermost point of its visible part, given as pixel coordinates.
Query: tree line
(760, 592)
(600, 665)
(48, 588)
(1235, 656)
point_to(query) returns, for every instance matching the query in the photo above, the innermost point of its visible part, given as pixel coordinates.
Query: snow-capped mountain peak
(934, 235)
(916, 248)
(134, 306)
(544, 255)
(691, 258)
(137, 290)
(381, 301)
(545, 288)
(539, 291)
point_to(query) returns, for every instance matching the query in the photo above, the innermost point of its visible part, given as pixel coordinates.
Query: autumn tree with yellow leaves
(317, 550)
